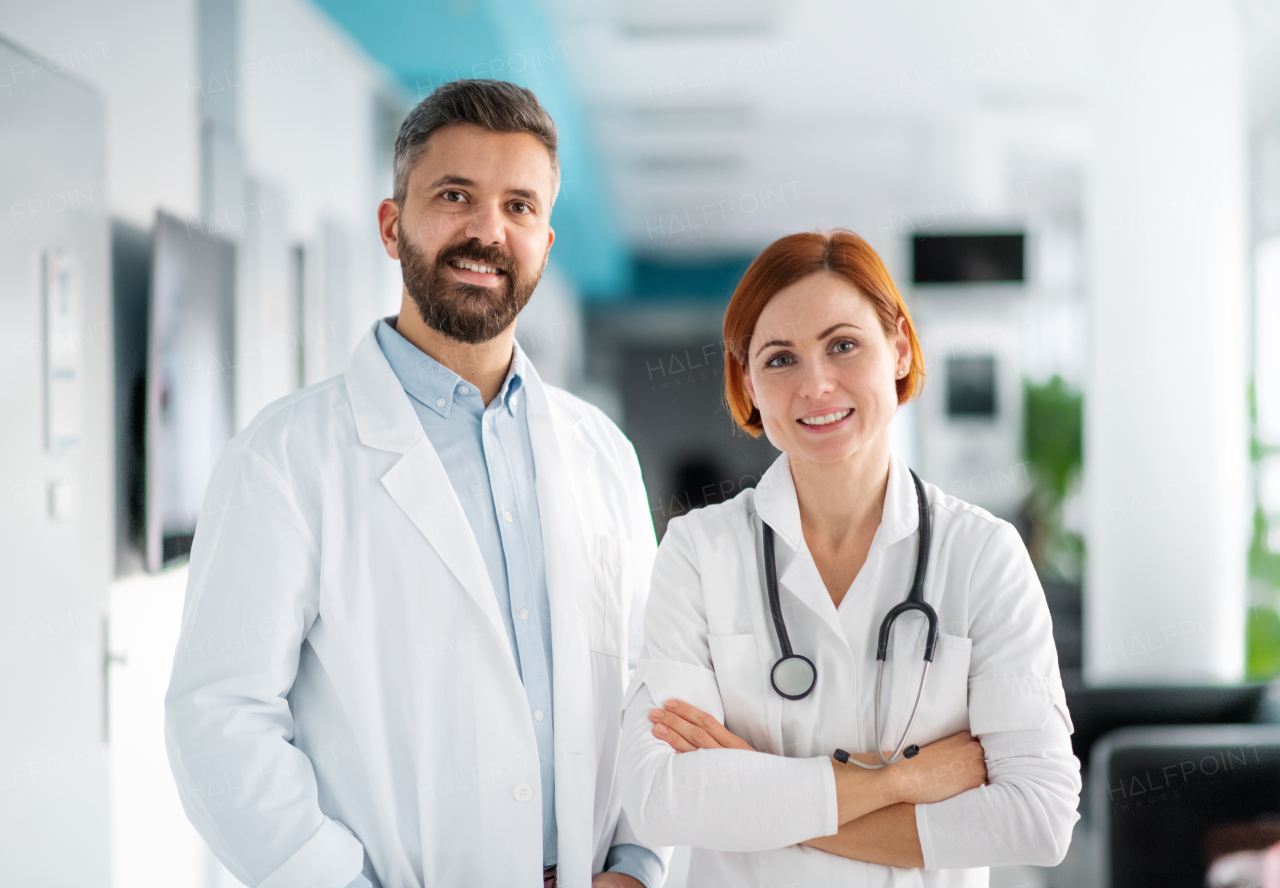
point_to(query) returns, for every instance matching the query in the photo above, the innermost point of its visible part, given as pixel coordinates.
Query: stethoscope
(794, 676)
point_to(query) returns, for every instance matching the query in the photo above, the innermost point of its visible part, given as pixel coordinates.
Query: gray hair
(495, 105)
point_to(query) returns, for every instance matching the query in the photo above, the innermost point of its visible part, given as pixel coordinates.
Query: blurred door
(57, 544)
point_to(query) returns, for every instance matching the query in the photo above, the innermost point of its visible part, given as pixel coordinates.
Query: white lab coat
(709, 640)
(344, 680)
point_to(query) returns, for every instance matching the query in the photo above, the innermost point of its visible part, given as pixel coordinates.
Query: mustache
(474, 251)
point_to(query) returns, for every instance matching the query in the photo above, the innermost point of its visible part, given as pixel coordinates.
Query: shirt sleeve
(719, 799)
(638, 862)
(1027, 811)
(252, 597)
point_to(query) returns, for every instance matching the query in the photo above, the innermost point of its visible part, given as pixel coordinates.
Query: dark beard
(466, 312)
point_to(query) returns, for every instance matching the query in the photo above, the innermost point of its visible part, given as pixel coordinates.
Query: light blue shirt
(488, 456)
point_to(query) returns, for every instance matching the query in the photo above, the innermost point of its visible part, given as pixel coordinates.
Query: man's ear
(388, 218)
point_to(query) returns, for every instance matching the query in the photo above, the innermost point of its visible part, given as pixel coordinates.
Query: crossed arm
(884, 835)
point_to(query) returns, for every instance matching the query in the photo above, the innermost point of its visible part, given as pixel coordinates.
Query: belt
(549, 877)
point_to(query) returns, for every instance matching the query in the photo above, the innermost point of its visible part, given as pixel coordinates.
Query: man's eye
(454, 196)
(521, 207)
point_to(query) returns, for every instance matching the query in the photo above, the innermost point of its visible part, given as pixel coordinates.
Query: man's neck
(483, 364)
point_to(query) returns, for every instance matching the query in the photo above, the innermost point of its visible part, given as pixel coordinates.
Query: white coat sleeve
(640, 568)
(720, 799)
(1026, 812)
(252, 596)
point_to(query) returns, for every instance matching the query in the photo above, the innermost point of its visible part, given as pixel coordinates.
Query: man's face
(474, 232)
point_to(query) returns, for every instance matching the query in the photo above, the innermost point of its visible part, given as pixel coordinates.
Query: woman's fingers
(693, 734)
(674, 740)
(722, 736)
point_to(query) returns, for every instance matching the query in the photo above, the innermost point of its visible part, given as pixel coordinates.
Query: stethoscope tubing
(914, 602)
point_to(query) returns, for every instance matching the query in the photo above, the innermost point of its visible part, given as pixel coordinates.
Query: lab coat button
(522, 792)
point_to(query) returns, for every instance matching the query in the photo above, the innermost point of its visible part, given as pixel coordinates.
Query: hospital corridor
(616, 444)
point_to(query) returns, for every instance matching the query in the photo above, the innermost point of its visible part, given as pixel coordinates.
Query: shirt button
(463, 390)
(537, 713)
(524, 613)
(439, 402)
(522, 792)
(506, 516)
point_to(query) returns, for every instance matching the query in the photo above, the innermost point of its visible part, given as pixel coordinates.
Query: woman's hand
(685, 728)
(943, 769)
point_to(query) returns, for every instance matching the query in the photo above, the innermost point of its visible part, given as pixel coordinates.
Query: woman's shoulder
(968, 525)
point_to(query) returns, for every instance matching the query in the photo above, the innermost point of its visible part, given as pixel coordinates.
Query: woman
(820, 353)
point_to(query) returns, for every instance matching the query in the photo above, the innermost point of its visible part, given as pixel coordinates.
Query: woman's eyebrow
(771, 342)
(827, 332)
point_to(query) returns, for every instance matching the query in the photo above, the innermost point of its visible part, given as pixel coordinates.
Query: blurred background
(1079, 200)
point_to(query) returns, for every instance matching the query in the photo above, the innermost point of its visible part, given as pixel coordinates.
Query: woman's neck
(842, 501)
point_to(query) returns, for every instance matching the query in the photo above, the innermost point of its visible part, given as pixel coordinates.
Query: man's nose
(485, 224)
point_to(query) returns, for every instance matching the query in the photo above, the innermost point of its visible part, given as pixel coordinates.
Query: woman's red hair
(787, 261)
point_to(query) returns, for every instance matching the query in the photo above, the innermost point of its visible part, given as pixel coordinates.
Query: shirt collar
(434, 384)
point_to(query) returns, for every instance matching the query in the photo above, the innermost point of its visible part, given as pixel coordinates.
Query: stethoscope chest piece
(794, 677)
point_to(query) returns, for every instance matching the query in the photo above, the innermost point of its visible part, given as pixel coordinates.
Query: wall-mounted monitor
(968, 258)
(190, 379)
(971, 386)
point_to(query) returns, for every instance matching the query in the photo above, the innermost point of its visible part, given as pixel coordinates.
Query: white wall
(310, 125)
(1165, 423)
(140, 55)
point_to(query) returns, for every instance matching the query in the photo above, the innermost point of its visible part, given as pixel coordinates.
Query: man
(414, 587)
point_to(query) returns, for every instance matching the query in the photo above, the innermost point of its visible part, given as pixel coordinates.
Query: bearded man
(415, 588)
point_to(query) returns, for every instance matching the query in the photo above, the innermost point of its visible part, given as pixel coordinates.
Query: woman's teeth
(472, 266)
(829, 418)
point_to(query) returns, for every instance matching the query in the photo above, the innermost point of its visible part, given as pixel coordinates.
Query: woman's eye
(782, 359)
(844, 345)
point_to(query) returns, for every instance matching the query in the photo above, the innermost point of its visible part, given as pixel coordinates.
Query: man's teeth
(829, 418)
(472, 266)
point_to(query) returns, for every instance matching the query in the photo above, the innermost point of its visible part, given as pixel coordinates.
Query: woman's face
(821, 370)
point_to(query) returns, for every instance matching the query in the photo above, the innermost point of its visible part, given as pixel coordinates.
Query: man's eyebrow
(452, 180)
(525, 194)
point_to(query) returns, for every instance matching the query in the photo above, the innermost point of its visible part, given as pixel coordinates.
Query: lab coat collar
(382, 411)
(777, 505)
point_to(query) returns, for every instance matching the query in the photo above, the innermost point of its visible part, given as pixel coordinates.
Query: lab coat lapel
(563, 462)
(776, 504)
(418, 482)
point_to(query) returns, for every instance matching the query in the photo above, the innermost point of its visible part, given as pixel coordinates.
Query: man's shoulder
(306, 417)
(593, 423)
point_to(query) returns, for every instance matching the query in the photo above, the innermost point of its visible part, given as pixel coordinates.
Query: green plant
(1053, 444)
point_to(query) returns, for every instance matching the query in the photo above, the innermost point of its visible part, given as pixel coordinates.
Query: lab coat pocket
(606, 613)
(944, 704)
(742, 683)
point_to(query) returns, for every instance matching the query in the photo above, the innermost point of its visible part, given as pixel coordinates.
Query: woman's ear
(902, 347)
(751, 389)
